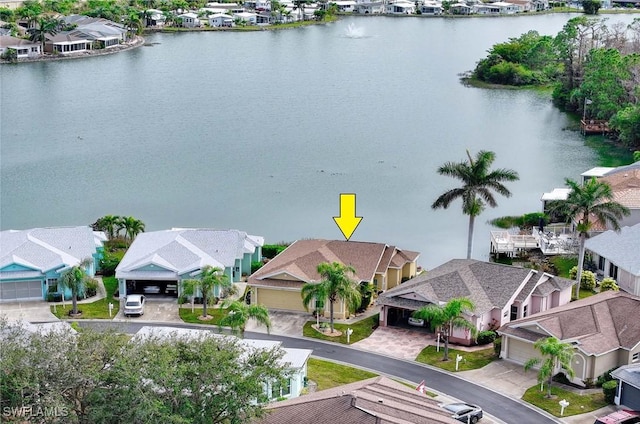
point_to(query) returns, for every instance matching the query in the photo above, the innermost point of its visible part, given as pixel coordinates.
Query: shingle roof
(599, 323)
(625, 184)
(622, 248)
(298, 263)
(489, 285)
(179, 251)
(376, 400)
(630, 374)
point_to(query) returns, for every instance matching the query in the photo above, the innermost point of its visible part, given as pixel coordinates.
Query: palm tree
(238, 313)
(44, 27)
(335, 285)
(556, 354)
(478, 182)
(593, 199)
(74, 280)
(447, 317)
(132, 227)
(109, 224)
(210, 278)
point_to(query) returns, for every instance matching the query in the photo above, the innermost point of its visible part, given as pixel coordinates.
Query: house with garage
(32, 261)
(278, 283)
(628, 394)
(604, 330)
(295, 360)
(372, 401)
(189, 20)
(617, 255)
(500, 293)
(158, 261)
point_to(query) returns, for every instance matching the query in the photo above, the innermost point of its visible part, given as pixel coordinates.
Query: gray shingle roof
(630, 374)
(623, 248)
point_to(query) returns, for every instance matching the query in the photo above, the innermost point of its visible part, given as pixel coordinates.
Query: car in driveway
(134, 305)
(416, 322)
(463, 412)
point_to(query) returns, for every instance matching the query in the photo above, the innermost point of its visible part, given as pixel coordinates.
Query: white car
(416, 322)
(134, 305)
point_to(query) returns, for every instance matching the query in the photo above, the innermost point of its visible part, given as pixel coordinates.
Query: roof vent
(380, 400)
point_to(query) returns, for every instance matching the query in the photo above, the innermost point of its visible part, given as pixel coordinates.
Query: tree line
(594, 70)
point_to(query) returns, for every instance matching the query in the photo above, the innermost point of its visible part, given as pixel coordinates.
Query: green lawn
(577, 404)
(95, 310)
(192, 317)
(471, 360)
(563, 264)
(328, 374)
(361, 330)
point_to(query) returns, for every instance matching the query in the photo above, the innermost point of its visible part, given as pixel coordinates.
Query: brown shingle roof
(625, 184)
(599, 323)
(362, 402)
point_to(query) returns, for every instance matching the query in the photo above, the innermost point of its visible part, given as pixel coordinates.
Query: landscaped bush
(609, 284)
(486, 337)
(609, 389)
(271, 250)
(108, 264)
(587, 280)
(256, 265)
(54, 297)
(605, 377)
(497, 345)
(90, 288)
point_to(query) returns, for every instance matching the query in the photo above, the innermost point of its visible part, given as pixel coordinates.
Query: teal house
(32, 261)
(158, 262)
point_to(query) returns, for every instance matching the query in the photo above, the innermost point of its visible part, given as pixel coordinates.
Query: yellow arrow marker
(347, 221)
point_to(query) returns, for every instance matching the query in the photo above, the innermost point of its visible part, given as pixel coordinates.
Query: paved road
(501, 407)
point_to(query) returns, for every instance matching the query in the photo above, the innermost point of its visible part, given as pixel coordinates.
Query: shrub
(256, 265)
(486, 337)
(609, 389)
(271, 250)
(587, 280)
(605, 377)
(609, 284)
(54, 297)
(108, 264)
(91, 288)
(497, 345)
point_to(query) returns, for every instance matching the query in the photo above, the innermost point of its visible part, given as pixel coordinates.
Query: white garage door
(520, 351)
(21, 290)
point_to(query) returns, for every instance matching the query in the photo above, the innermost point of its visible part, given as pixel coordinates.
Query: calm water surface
(262, 132)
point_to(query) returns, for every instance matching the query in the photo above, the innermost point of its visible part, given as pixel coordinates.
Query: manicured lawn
(328, 374)
(95, 310)
(192, 317)
(577, 404)
(563, 264)
(471, 360)
(585, 293)
(361, 330)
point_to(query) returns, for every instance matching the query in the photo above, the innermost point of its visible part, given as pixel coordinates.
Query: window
(524, 310)
(635, 357)
(613, 271)
(601, 263)
(280, 389)
(53, 285)
(514, 313)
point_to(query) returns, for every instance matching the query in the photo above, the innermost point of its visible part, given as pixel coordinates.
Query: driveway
(38, 311)
(155, 309)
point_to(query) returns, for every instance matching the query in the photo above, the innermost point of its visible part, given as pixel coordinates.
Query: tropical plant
(587, 279)
(74, 279)
(210, 278)
(593, 199)
(335, 285)
(609, 284)
(45, 26)
(110, 224)
(476, 191)
(238, 313)
(447, 317)
(555, 354)
(132, 227)
(591, 7)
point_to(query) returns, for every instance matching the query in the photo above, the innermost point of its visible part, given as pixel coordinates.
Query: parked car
(463, 412)
(151, 289)
(134, 305)
(416, 322)
(620, 417)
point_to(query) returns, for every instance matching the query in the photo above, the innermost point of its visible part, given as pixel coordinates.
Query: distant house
(496, 8)
(164, 259)
(460, 9)
(401, 7)
(278, 283)
(189, 20)
(604, 329)
(431, 8)
(501, 294)
(23, 48)
(368, 7)
(249, 18)
(346, 6)
(102, 32)
(32, 261)
(65, 43)
(617, 255)
(221, 20)
(628, 394)
(525, 5)
(154, 18)
(295, 360)
(372, 401)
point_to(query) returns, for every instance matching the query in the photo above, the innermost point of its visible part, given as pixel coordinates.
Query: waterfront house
(604, 330)
(23, 48)
(154, 18)
(221, 20)
(189, 20)
(369, 7)
(501, 293)
(401, 7)
(249, 18)
(460, 9)
(617, 255)
(159, 261)
(32, 261)
(496, 8)
(228, 8)
(346, 6)
(278, 283)
(431, 8)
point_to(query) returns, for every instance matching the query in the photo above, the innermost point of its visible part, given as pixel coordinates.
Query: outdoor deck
(555, 241)
(592, 126)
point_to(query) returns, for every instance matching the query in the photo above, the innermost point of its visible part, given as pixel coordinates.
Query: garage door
(22, 290)
(520, 351)
(280, 299)
(630, 397)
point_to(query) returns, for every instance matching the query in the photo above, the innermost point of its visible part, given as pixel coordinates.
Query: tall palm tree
(447, 317)
(238, 313)
(556, 354)
(109, 224)
(74, 280)
(335, 285)
(210, 278)
(45, 26)
(132, 227)
(478, 182)
(593, 199)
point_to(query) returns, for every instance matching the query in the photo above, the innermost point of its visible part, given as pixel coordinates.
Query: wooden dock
(593, 126)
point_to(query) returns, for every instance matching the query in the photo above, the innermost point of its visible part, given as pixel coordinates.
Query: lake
(262, 131)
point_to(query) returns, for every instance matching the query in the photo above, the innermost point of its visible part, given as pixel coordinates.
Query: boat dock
(554, 241)
(593, 126)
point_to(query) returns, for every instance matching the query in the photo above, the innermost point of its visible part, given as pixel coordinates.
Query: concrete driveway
(38, 311)
(282, 323)
(155, 309)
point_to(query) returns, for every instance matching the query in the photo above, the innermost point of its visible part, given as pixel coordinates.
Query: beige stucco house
(278, 283)
(604, 328)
